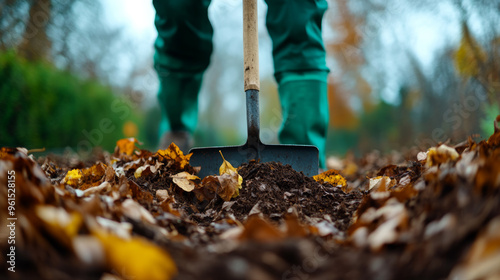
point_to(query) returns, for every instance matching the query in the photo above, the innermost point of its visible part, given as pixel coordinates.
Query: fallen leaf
(73, 178)
(136, 258)
(331, 176)
(87, 177)
(229, 179)
(422, 156)
(226, 167)
(174, 154)
(185, 181)
(138, 171)
(135, 211)
(96, 189)
(257, 229)
(162, 195)
(121, 229)
(208, 188)
(59, 219)
(126, 146)
(89, 250)
(230, 186)
(293, 226)
(441, 154)
(325, 228)
(381, 183)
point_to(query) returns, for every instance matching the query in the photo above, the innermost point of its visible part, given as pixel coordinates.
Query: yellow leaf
(174, 153)
(73, 177)
(126, 146)
(226, 166)
(185, 181)
(86, 178)
(331, 176)
(137, 258)
(229, 179)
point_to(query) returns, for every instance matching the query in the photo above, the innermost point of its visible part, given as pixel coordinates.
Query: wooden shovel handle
(251, 45)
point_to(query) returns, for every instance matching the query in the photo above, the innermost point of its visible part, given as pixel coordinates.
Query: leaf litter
(135, 214)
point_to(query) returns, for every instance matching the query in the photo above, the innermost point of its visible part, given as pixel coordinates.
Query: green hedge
(42, 106)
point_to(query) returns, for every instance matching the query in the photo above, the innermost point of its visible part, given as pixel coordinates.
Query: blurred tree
(477, 58)
(437, 101)
(347, 82)
(35, 43)
(71, 34)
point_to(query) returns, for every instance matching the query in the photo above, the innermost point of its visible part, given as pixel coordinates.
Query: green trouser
(184, 45)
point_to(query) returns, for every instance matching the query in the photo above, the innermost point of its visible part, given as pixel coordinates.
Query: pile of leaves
(135, 214)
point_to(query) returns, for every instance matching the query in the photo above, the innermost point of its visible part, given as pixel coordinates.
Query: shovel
(301, 157)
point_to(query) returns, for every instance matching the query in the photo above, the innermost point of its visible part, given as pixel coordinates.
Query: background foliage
(46, 107)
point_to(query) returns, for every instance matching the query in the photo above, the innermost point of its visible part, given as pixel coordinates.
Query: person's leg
(182, 54)
(300, 70)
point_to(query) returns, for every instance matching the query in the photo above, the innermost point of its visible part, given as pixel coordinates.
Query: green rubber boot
(304, 103)
(178, 97)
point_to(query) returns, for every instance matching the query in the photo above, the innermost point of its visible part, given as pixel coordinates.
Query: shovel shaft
(253, 122)
(251, 45)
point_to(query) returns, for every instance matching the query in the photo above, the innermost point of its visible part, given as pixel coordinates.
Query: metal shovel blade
(303, 158)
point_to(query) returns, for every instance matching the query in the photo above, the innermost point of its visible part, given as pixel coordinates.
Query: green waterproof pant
(184, 45)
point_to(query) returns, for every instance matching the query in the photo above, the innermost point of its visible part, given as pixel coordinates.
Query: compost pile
(136, 214)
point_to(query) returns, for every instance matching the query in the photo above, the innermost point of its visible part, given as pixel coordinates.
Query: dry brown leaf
(162, 195)
(173, 153)
(208, 188)
(230, 184)
(97, 189)
(227, 185)
(381, 183)
(257, 229)
(185, 181)
(135, 211)
(294, 228)
(378, 227)
(143, 197)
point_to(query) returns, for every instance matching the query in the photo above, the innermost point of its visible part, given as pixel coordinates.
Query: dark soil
(273, 188)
